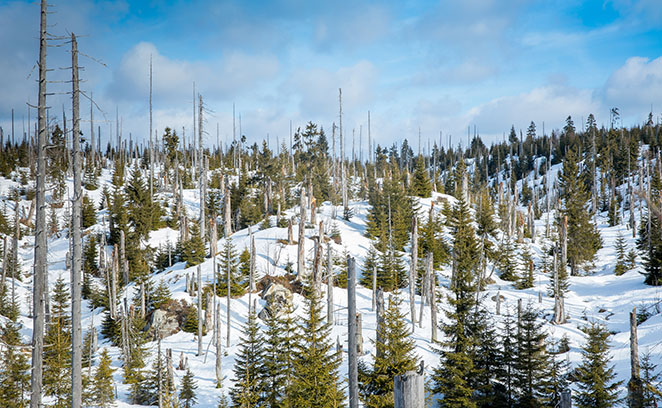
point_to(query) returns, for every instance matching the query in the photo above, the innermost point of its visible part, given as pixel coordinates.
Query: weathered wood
(301, 255)
(380, 319)
(412, 271)
(352, 334)
(374, 286)
(219, 356)
(409, 390)
(329, 284)
(566, 399)
(199, 290)
(635, 384)
(433, 298)
(290, 234)
(227, 213)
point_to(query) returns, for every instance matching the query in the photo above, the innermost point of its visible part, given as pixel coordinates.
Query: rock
(278, 298)
(165, 321)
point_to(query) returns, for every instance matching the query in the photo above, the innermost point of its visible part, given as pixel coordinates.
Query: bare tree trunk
(199, 290)
(151, 143)
(290, 234)
(412, 270)
(433, 297)
(409, 390)
(374, 287)
(359, 334)
(227, 309)
(219, 356)
(227, 213)
(635, 385)
(251, 280)
(301, 255)
(123, 262)
(425, 288)
(329, 284)
(380, 320)
(352, 346)
(40, 248)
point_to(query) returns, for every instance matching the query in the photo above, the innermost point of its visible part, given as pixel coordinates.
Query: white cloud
(635, 86)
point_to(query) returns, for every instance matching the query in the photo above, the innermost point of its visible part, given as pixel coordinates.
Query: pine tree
(191, 320)
(57, 347)
(391, 273)
(621, 255)
(506, 371)
(248, 367)
(650, 244)
(652, 381)
(395, 356)
(531, 359)
(90, 267)
(453, 377)
(507, 261)
(150, 387)
(594, 376)
(525, 280)
(229, 262)
(583, 237)
(89, 216)
(134, 361)
(279, 350)
(193, 250)
(140, 208)
(487, 360)
(421, 186)
(187, 393)
(316, 382)
(160, 295)
(101, 388)
(14, 368)
(557, 374)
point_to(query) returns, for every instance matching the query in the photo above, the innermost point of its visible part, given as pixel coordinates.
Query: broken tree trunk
(635, 385)
(409, 390)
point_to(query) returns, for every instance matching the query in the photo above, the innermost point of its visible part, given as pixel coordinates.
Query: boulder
(164, 323)
(278, 298)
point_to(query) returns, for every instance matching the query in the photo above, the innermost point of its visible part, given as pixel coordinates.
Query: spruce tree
(90, 267)
(102, 387)
(193, 250)
(508, 260)
(187, 393)
(316, 382)
(134, 361)
(421, 186)
(57, 347)
(527, 266)
(621, 255)
(391, 273)
(454, 376)
(280, 342)
(14, 368)
(229, 262)
(395, 356)
(531, 359)
(583, 237)
(652, 381)
(649, 241)
(594, 377)
(248, 367)
(557, 374)
(89, 213)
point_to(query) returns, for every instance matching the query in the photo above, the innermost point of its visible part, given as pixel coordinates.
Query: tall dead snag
(353, 374)
(425, 287)
(412, 270)
(40, 247)
(635, 385)
(301, 255)
(151, 143)
(559, 306)
(227, 212)
(77, 253)
(380, 321)
(199, 292)
(343, 177)
(329, 284)
(219, 357)
(433, 296)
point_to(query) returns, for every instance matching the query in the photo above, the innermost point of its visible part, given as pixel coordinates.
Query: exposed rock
(278, 298)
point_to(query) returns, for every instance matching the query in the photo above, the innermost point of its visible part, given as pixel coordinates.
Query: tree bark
(301, 255)
(352, 332)
(412, 270)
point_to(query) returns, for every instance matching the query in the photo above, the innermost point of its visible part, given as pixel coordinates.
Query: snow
(600, 296)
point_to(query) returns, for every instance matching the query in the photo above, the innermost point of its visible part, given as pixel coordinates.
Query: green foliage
(421, 186)
(249, 368)
(159, 296)
(531, 359)
(187, 393)
(621, 255)
(649, 243)
(102, 387)
(191, 320)
(14, 368)
(594, 377)
(89, 213)
(280, 343)
(395, 356)
(525, 280)
(57, 347)
(193, 250)
(229, 265)
(316, 382)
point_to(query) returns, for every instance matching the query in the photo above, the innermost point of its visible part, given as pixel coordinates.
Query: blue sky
(437, 66)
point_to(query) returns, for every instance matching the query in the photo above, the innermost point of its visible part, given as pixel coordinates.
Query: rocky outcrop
(278, 298)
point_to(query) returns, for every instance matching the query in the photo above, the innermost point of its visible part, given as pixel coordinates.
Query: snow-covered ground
(601, 296)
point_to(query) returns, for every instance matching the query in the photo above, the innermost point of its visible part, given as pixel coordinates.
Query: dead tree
(409, 389)
(343, 177)
(425, 287)
(412, 270)
(199, 290)
(219, 357)
(559, 307)
(151, 143)
(329, 284)
(227, 212)
(380, 321)
(76, 282)
(301, 255)
(433, 297)
(40, 247)
(353, 373)
(635, 385)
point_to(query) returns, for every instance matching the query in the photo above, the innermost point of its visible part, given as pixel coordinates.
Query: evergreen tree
(134, 360)
(248, 369)
(102, 385)
(391, 273)
(594, 376)
(89, 213)
(621, 255)
(193, 250)
(506, 371)
(421, 186)
(90, 267)
(649, 242)
(508, 260)
(159, 296)
(652, 381)
(57, 347)
(531, 359)
(454, 376)
(316, 382)
(395, 356)
(187, 392)
(14, 368)
(583, 237)
(280, 342)
(230, 263)
(525, 280)
(557, 374)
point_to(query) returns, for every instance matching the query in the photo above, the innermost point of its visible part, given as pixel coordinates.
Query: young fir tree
(621, 255)
(248, 367)
(279, 350)
(193, 250)
(525, 280)
(140, 205)
(487, 360)
(454, 376)
(508, 260)
(102, 386)
(14, 368)
(594, 377)
(191, 320)
(506, 371)
(134, 362)
(57, 347)
(557, 374)
(395, 356)
(583, 237)
(431, 240)
(90, 267)
(391, 273)
(316, 382)
(187, 393)
(229, 262)
(89, 213)
(652, 381)
(650, 243)
(150, 387)
(159, 296)
(421, 186)
(531, 359)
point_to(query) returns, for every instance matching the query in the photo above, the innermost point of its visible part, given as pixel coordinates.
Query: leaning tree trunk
(76, 265)
(40, 248)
